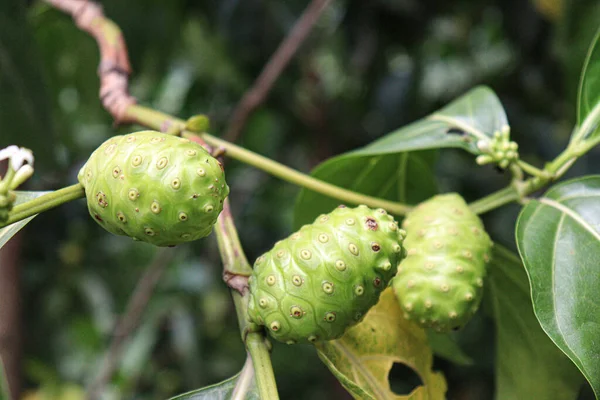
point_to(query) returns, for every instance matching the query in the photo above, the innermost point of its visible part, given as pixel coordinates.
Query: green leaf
(588, 97)
(394, 168)
(444, 345)
(242, 384)
(405, 177)
(9, 231)
(362, 359)
(559, 241)
(528, 363)
(478, 114)
(4, 390)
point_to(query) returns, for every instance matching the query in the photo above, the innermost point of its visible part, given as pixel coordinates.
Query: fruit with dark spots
(154, 187)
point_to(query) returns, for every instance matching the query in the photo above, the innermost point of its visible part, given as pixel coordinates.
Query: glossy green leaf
(394, 168)
(558, 237)
(240, 386)
(589, 90)
(473, 116)
(405, 177)
(528, 363)
(9, 231)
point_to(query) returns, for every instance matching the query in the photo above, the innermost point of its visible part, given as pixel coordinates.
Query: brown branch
(257, 94)
(236, 268)
(114, 68)
(10, 315)
(130, 320)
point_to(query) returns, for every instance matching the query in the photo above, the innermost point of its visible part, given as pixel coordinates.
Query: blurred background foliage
(368, 68)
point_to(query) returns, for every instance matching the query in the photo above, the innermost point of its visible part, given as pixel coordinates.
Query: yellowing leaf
(362, 359)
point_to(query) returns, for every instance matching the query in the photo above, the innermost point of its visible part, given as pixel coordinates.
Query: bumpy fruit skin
(154, 187)
(325, 277)
(440, 283)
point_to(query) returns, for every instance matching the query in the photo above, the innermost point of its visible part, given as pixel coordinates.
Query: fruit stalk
(265, 378)
(44, 203)
(236, 270)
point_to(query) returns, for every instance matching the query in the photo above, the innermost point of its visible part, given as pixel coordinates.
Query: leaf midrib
(565, 211)
(364, 371)
(571, 213)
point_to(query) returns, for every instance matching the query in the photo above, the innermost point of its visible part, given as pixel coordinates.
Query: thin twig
(235, 273)
(130, 320)
(257, 94)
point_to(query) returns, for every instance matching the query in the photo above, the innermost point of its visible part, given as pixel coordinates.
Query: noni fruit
(154, 187)
(439, 284)
(325, 277)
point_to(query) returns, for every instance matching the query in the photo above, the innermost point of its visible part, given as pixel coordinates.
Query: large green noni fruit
(154, 187)
(440, 283)
(325, 277)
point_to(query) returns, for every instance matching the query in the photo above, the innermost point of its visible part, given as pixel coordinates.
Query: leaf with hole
(241, 385)
(363, 358)
(9, 231)
(588, 98)
(558, 237)
(524, 353)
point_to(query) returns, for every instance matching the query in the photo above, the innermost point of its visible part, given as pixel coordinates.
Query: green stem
(588, 125)
(263, 368)
(235, 271)
(8, 177)
(290, 175)
(531, 170)
(552, 171)
(161, 121)
(494, 200)
(45, 203)
(232, 255)
(565, 159)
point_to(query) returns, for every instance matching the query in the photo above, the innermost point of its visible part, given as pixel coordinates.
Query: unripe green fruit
(440, 283)
(154, 187)
(325, 277)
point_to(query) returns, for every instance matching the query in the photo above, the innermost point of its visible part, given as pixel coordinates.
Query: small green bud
(198, 123)
(484, 159)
